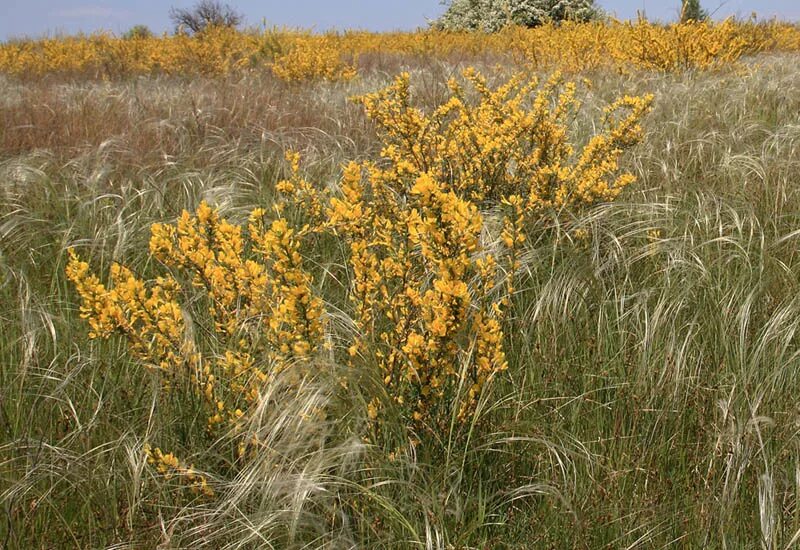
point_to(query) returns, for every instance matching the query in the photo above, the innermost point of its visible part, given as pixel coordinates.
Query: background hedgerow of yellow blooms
(295, 56)
(429, 292)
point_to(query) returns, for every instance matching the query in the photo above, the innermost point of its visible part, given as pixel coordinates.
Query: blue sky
(40, 17)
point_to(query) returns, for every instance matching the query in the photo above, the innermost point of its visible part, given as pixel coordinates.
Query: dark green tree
(137, 31)
(691, 10)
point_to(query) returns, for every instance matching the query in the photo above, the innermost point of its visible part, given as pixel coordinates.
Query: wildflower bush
(260, 315)
(692, 45)
(424, 280)
(309, 60)
(421, 294)
(431, 285)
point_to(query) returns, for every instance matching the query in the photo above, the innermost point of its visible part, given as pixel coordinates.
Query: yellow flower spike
(372, 410)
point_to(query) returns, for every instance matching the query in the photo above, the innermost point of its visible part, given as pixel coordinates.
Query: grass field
(653, 342)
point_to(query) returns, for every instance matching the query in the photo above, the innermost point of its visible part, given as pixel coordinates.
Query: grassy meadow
(649, 396)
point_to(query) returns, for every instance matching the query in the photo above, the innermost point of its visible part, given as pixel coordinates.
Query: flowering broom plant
(431, 282)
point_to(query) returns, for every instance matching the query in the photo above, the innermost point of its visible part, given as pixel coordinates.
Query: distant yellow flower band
(298, 56)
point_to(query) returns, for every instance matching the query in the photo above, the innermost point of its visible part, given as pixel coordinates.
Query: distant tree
(138, 31)
(692, 11)
(493, 15)
(206, 13)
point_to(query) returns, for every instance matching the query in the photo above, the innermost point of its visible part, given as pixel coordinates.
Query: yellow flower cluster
(148, 315)
(259, 299)
(294, 56)
(309, 60)
(622, 46)
(511, 145)
(168, 465)
(295, 326)
(692, 45)
(260, 306)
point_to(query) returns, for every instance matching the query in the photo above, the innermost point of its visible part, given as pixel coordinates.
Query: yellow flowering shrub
(242, 290)
(313, 60)
(168, 465)
(427, 288)
(421, 286)
(147, 315)
(215, 51)
(260, 308)
(422, 283)
(691, 45)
